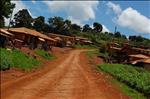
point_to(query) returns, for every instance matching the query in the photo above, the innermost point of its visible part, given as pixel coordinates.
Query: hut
(31, 38)
(83, 41)
(5, 37)
(62, 40)
(145, 63)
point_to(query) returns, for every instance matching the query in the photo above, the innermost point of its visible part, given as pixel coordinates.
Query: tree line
(55, 24)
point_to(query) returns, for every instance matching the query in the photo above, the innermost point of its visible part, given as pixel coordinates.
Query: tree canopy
(23, 19)
(6, 8)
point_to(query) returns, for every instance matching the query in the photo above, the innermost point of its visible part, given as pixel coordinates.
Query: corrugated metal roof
(139, 56)
(30, 32)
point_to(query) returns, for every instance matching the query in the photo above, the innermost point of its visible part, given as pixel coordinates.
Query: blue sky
(130, 17)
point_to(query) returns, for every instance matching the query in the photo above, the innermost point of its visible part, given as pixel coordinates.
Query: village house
(31, 38)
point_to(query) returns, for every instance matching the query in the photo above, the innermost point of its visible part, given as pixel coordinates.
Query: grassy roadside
(133, 78)
(123, 87)
(17, 59)
(132, 93)
(44, 54)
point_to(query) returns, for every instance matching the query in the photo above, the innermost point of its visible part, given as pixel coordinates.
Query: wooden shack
(5, 37)
(31, 38)
(62, 40)
(83, 41)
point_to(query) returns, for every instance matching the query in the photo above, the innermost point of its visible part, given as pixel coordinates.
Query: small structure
(31, 38)
(62, 39)
(5, 38)
(83, 41)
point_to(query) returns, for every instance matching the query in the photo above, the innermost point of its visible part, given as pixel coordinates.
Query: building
(31, 38)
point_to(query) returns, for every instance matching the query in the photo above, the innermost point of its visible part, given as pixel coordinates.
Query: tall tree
(23, 19)
(117, 34)
(57, 24)
(97, 27)
(86, 28)
(39, 23)
(6, 8)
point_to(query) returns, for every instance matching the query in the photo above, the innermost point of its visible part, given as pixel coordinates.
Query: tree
(6, 8)
(76, 27)
(57, 24)
(86, 28)
(23, 19)
(117, 34)
(97, 27)
(39, 23)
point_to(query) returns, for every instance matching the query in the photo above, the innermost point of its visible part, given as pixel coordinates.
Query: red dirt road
(69, 78)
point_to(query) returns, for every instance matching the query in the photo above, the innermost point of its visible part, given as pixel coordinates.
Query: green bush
(16, 59)
(136, 78)
(44, 54)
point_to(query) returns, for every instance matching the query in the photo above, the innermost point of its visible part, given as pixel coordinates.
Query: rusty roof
(58, 35)
(5, 32)
(30, 32)
(139, 56)
(147, 60)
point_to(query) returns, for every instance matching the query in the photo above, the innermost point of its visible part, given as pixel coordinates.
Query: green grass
(84, 46)
(128, 91)
(90, 54)
(134, 77)
(17, 59)
(44, 54)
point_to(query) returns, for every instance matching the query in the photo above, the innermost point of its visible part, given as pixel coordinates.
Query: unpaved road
(68, 79)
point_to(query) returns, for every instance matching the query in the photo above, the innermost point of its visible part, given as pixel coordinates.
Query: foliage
(91, 53)
(17, 59)
(44, 54)
(6, 8)
(97, 27)
(132, 93)
(23, 19)
(39, 23)
(139, 41)
(85, 46)
(136, 78)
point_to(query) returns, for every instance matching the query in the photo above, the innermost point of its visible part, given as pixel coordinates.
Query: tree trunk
(1, 21)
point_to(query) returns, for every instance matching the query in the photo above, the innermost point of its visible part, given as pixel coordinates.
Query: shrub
(44, 54)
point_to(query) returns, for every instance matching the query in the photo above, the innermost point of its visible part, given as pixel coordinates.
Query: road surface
(68, 79)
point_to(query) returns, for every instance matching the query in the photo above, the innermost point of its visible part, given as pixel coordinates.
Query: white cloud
(130, 18)
(115, 7)
(105, 29)
(33, 1)
(134, 20)
(79, 11)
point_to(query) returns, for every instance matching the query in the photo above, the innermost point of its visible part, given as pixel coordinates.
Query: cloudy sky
(130, 17)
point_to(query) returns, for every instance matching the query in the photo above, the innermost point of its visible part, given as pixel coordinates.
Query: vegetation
(44, 54)
(6, 8)
(136, 78)
(91, 53)
(17, 59)
(132, 93)
(85, 46)
(22, 19)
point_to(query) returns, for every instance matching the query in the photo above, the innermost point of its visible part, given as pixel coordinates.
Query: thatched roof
(30, 32)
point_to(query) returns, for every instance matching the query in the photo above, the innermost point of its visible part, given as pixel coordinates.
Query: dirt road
(68, 79)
